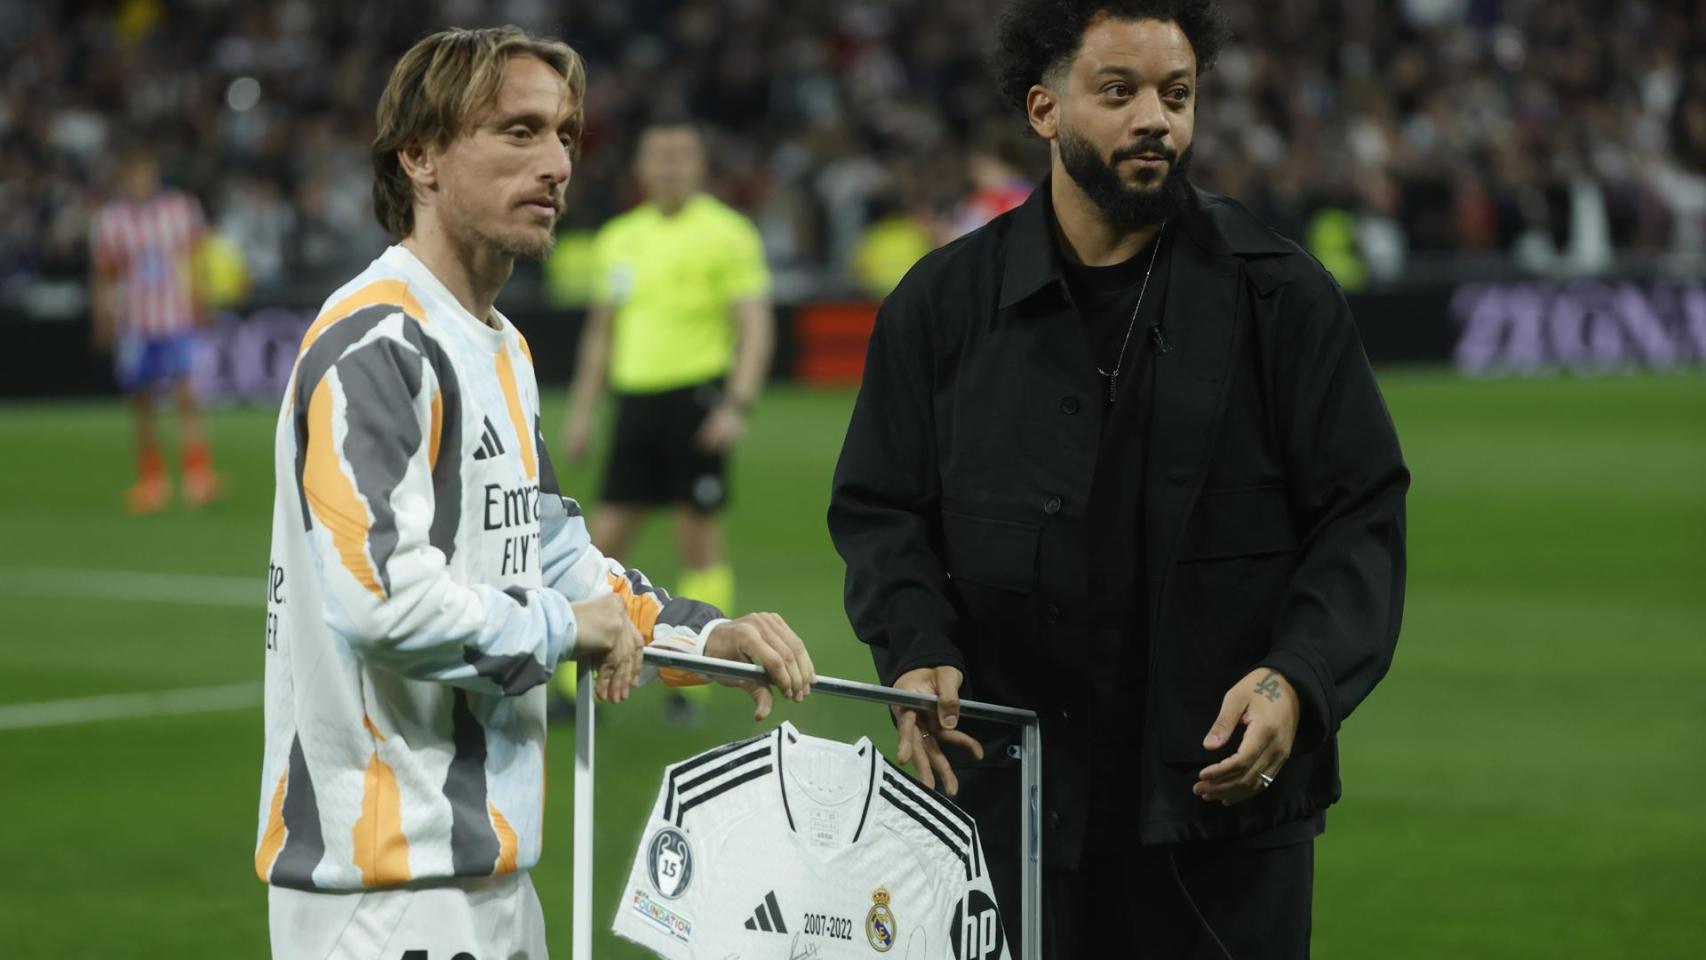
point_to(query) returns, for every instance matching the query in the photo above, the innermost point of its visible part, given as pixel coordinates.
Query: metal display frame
(1030, 780)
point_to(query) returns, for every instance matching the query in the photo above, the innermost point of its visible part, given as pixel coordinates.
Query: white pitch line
(129, 706)
(191, 588)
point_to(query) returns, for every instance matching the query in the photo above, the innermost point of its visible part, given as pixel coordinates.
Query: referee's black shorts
(654, 461)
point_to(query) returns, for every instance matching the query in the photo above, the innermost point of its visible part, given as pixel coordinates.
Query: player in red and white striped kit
(147, 312)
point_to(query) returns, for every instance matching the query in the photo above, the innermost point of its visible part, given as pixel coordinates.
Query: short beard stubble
(517, 248)
(513, 246)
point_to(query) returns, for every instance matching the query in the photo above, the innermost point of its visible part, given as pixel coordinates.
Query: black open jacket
(1272, 509)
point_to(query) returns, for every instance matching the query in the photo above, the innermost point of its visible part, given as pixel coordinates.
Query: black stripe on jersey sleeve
(688, 766)
(937, 799)
(917, 796)
(929, 824)
(721, 789)
(938, 806)
(722, 769)
(976, 853)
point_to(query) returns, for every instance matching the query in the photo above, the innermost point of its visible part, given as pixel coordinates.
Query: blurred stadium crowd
(1396, 140)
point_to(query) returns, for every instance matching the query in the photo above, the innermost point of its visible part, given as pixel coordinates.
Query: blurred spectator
(1561, 137)
(255, 216)
(1678, 176)
(995, 168)
(890, 244)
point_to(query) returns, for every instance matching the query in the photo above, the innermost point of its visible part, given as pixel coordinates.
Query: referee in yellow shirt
(681, 326)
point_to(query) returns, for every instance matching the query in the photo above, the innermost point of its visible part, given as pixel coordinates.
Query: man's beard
(1123, 205)
(522, 248)
(514, 245)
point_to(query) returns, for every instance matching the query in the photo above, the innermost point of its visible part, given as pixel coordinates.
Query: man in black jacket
(1119, 458)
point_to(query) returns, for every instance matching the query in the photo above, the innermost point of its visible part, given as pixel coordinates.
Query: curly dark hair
(1036, 37)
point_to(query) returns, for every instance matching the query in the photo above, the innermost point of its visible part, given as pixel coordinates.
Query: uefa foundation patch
(662, 916)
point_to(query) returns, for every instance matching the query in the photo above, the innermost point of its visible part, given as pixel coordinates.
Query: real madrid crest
(669, 861)
(879, 923)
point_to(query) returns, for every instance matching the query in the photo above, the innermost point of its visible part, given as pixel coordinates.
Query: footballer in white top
(793, 846)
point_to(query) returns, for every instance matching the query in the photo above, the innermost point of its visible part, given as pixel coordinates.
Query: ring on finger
(1267, 781)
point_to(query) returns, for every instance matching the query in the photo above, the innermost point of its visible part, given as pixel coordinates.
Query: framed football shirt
(800, 848)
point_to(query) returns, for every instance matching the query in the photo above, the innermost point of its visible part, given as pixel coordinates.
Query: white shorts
(485, 919)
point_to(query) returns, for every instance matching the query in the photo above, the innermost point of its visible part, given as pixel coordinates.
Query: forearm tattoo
(1269, 687)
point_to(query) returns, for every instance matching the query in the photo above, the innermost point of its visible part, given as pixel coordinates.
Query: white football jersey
(418, 595)
(798, 848)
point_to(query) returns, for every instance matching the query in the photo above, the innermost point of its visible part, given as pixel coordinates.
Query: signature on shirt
(802, 951)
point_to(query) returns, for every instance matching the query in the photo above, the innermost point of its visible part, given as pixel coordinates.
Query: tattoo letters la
(1269, 687)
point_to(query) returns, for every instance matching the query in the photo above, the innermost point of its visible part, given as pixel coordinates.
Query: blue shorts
(141, 361)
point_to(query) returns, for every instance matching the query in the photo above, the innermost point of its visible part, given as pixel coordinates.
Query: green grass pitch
(1527, 782)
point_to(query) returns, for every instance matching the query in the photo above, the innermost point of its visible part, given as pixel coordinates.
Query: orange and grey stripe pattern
(381, 849)
(390, 293)
(512, 396)
(405, 706)
(654, 613)
(291, 842)
(347, 488)
(481, 839)
(650, 608)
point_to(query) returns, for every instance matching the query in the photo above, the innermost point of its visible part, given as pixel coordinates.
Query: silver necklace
(1114, 377)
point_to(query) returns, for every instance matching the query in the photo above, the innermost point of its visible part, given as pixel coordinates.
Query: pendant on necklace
(1113, 378)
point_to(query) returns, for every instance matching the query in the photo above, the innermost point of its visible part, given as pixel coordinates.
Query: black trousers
(1175, 904)
(1156, 903)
